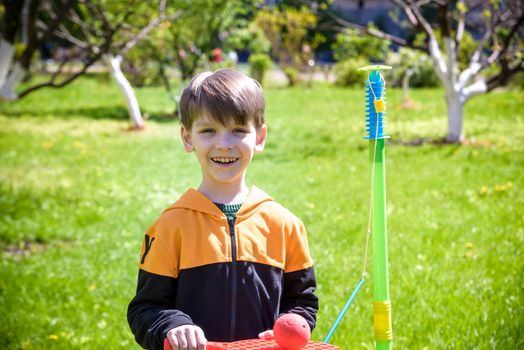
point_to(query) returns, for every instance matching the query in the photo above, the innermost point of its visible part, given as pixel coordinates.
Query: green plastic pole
(375, 114)
(379, 230)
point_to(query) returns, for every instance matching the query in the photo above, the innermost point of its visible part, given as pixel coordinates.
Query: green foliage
(467, 46)
(226, 63)
(81, 191)
(517, 81)
(188, 41)
(352, 44)
(420, 64)
(292, 76)
(139, 68)
(259, 63)
(347, 74)
(250, 38)
(287, 31)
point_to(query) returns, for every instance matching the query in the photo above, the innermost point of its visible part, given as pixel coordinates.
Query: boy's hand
(266, 335)
(187, 337)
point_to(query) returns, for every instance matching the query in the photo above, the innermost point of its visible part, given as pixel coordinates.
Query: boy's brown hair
(222, 95)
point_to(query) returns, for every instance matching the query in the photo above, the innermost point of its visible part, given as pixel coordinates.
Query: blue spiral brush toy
(375, 102)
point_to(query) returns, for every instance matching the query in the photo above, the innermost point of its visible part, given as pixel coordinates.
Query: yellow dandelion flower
(469, 245)
(53, 337)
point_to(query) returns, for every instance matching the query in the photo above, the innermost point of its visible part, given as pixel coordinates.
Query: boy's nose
(224, 142)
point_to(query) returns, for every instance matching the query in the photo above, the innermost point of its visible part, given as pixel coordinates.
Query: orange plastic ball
(291, 332)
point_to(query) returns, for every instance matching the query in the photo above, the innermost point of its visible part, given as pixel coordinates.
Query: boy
(224, 261)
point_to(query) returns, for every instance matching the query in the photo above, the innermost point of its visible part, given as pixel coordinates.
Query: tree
(202, 27)
(113, 59)
(93, 29)
(10, 25)
(350, 44)
(497, 57)
(288, 31)
(352, 50)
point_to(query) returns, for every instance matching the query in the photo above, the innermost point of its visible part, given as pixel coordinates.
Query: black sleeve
(299, 295)
(151, 313)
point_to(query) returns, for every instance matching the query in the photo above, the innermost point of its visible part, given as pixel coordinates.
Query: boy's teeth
(224, 160)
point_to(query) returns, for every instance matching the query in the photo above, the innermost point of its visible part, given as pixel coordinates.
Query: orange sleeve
(159, 251)
(297, 248)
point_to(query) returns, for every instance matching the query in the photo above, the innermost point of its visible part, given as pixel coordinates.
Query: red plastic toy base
(257, 344)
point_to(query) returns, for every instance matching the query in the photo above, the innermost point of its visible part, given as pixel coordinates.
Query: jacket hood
(195, 200)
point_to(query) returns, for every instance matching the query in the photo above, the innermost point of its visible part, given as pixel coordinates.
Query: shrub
(292, 76)
(423, 73)
(226, 63)
(141, 73)
(259, 64)
(139, 68)
(517, 81)
(351, 44)
(250, 39)
(290, 32)
(347, 74)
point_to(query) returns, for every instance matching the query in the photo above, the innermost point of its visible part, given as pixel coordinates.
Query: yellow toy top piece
(374, 67)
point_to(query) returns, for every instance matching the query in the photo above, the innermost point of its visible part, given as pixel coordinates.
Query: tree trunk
(405, 84)
(7, 52)
(132, 103)
(455, 113)
(17, 74)
(10, 25)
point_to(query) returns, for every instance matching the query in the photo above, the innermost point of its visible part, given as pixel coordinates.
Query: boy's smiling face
(223, 151)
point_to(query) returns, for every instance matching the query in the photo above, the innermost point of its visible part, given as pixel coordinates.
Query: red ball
(291, 332)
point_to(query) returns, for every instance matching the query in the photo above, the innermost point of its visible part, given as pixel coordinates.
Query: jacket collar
(194, 200)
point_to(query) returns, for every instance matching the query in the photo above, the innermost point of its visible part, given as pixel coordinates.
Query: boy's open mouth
(224, 160)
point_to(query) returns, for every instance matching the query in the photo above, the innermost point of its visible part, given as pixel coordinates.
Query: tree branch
(505, 75)
(461, 25)
(86, 30)
(449, 42)
(376, 33)
(51, 82)
(507, 40)
(477, 88)
(150, 26)
(413, 14)
(434, 50)
(57, 18)
(65, 34)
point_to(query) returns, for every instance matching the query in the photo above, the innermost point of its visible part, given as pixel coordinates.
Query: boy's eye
(240, 131)
(206, 131)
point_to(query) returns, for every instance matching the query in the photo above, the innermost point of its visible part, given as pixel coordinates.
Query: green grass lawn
(77, 192)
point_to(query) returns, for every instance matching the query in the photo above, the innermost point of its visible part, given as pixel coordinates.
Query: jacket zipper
(231, 222)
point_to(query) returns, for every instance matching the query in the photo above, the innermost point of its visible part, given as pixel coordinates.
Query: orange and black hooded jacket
(232, 278)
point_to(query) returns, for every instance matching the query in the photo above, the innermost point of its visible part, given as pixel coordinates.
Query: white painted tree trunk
(405, 84)
(458, 92)
(7, 52)
(132, 103)
(455, 117)
(8, 90)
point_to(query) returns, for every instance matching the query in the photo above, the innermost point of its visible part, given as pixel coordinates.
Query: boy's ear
(186, 139)
(261, 138)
